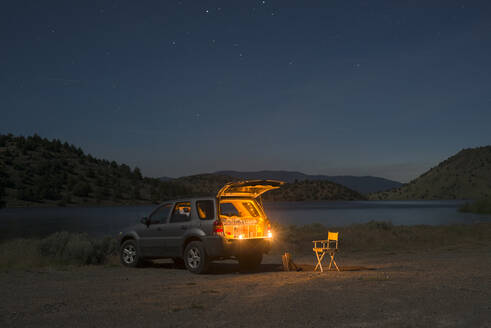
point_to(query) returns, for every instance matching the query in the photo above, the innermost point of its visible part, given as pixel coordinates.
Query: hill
(39, 172)
(362, 184)
(35, 171)
(313, 190)
(466, 175)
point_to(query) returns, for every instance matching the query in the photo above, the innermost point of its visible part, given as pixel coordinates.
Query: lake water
(35, 222)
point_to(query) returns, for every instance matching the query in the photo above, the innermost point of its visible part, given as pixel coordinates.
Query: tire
(178, 263)
(129, 255)
(250, 262)
(195, 257)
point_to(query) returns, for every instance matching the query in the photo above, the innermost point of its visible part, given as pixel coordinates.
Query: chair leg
(319, 261)
(336, 266)
(333, 261)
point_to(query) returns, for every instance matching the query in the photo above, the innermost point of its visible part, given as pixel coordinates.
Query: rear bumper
(219, 247)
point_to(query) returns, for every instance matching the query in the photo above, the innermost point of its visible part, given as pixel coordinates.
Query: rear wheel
(249, 262)
(129, 255)
(195, 257)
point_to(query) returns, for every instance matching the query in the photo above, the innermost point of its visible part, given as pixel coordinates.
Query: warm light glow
(270, 234)
(241, 236)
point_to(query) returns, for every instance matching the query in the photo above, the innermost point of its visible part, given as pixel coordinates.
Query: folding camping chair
(323, 247)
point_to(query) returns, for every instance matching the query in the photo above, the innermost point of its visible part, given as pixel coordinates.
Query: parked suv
(196, 231)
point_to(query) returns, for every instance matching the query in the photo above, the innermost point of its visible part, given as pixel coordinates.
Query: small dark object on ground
(288, 264)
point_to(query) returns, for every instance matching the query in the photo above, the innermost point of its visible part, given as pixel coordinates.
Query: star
(206, 11)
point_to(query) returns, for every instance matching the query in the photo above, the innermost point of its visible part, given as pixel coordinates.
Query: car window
(161, 214)
(181, 212)
(205, 209)
(228, 209)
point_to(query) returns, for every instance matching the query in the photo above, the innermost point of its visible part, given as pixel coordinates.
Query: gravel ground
(442, 288)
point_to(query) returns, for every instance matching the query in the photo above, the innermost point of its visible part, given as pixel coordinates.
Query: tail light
(270, 234)
(218, 228)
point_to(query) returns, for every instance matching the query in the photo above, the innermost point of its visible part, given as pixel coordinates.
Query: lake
(37, 222)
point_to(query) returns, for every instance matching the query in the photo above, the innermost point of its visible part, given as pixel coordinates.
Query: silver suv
(195, 231)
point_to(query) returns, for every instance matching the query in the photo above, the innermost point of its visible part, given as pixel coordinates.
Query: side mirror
(145, 221)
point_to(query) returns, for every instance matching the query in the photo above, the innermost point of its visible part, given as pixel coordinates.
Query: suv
(195, 231)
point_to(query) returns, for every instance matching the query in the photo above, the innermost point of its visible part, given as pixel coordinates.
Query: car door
(152, 235)
(176, 229)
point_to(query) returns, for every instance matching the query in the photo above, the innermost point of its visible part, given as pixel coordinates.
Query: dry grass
(62, 248)
(58, 249)
(382, 236)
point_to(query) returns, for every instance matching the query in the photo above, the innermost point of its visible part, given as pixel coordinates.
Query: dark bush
(482, 206)
(79, 249)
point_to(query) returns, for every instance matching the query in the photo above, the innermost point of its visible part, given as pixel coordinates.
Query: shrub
(482, 206)
(79, 249)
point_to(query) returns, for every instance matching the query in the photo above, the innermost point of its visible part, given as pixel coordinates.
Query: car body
(196, 231)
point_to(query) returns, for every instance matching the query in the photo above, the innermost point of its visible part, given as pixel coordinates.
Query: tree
(154, 194)
(27, 194)
(136, 192)
(2, 195)
(137, 173)
(82, 189)
(102, 193)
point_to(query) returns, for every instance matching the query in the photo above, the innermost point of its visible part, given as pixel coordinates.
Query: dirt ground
(439, 288)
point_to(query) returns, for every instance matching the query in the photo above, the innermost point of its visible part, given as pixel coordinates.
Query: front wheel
(129, 254)
(249, 262)
(195, 257)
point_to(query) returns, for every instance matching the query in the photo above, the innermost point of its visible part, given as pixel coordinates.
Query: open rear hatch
(241, 215)
(249, 189)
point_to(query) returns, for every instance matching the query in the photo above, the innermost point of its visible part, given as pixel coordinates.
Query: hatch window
(228, 209)
(205, 209)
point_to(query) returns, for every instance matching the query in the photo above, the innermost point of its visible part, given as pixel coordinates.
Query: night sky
(385, 88)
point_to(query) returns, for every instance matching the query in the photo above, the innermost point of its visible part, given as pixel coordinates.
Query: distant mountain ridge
(465, 175)
(305, 190)
(361, 184)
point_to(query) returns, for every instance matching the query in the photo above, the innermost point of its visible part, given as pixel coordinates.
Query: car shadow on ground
(219, 267)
